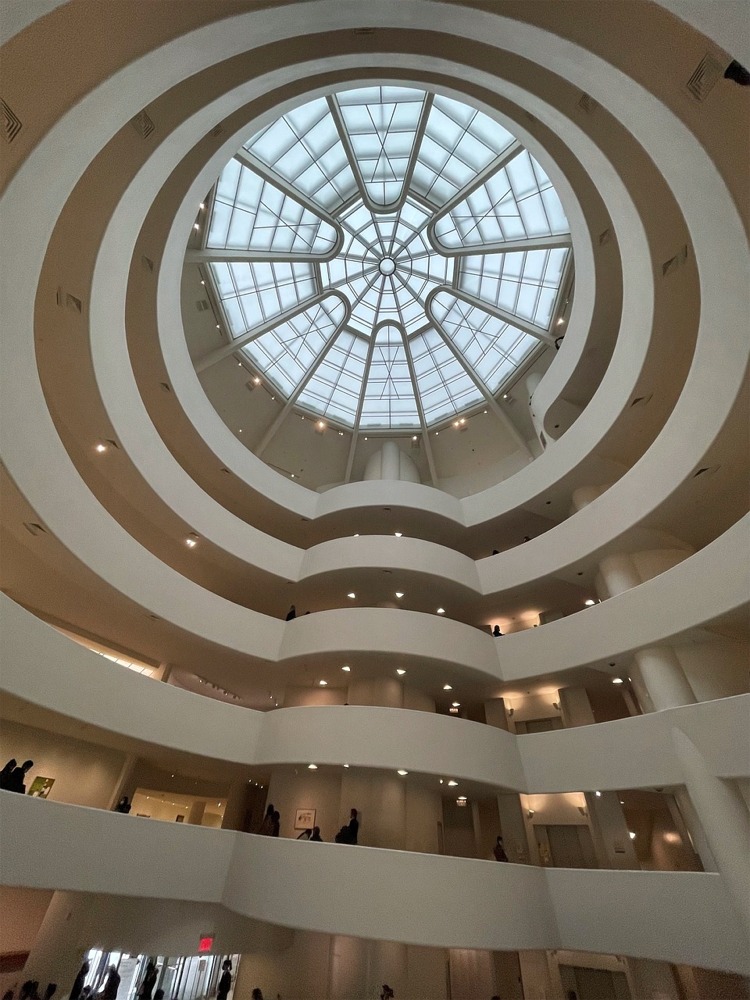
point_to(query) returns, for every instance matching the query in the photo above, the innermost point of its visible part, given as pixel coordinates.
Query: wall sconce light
(582, 810)
(530, 813)
(511, 711)
(556, 705)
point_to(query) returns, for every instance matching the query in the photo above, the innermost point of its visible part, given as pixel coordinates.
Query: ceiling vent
(705, 471)
(605, 237)
(216, 130)
(12, 124)
(148, 264)
(202, 305)
(165, 386)
(34, 529)
(587, 103)
(69, 301)
(641, 400)
(143, 125)
(703, 79)
(671, 265)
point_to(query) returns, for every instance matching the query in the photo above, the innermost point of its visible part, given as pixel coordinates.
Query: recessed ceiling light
(452, 783)
(560, 321)
(631, 834)
(402, 772)
(399, 593)
(397, 534)
(461, 798)
(441, 611)
(203, 282)
(256, 380)
(414, 437)
(589, 603)
(196, 226)
(101, 447)
(191, 542)
(323, 683)
(321, 424)
(447, 687)
(357, 535)
(351, 596)
(400, 671)
(346, 669)
(346, 765)
(456, 704)
(312, 767)
(617, 680)
(293, 476)
(202, 205)
(598, 794)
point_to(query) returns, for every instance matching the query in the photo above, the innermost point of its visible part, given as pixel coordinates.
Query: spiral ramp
(119, 118)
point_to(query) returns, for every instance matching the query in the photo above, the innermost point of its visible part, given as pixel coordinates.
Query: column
(61, 942)
(513, 828)
(495, 715)
(614, 848)
(575, 707)
(236, 807)
(195, 816)
(724, 819)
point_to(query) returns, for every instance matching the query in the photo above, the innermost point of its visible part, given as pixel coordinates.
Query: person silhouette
(6, 773)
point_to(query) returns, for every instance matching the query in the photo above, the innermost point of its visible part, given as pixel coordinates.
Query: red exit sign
(206, 942)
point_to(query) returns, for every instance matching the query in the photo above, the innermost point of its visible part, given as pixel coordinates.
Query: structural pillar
(724, 819)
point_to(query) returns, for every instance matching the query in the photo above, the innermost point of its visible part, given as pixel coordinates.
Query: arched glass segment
(415, 255)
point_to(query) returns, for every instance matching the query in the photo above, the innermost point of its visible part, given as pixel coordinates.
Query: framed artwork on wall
(40, 787)
(304, 819)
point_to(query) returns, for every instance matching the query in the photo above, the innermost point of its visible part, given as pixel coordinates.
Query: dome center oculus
(387, 266)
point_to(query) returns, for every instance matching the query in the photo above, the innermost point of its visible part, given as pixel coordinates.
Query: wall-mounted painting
(304, 819)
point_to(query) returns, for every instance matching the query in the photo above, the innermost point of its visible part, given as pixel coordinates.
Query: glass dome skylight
(386, 258)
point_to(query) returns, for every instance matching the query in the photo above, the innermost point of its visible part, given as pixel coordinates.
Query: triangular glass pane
(389, 394)
(253, 294)
(381, 123)
(286, 353)
(304, 147)
(251, 214)
(334, 389)
(516, 203)
(493, 348)
(524, 282)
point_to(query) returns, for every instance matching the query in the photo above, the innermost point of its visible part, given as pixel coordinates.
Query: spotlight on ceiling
(399, 593)
(441, 611)
(323, 683)
(400, 671)
(447, 687)
(312, 767)
(346, 669)
(402, 772)
(351, 596)
(617, 680)
(589, 602)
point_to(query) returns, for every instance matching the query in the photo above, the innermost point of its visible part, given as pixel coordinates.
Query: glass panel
(252, 294)
(381, 123)
(389, 394)
(251, 214)
(458, 142)
(286, 353)
(494, 349)
(305, 148)
(517, 202)
(524, 283)
(444, 387)
(334, 389)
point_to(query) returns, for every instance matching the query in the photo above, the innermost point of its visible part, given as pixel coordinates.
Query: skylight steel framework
(387, 259)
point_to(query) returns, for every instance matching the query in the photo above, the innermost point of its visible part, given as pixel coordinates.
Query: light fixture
(447, 687)
(399, 593)
(256, 380)
(346, 765)
(589, 603)
(530, 813)
(202, 205)
(191, 543)
(397, 534)
(617, 680)
(453, 711)
(452, 783)
(402, 772)
(351, 596)
(598, 794)
(631, 834)
(456, 704)
(196, 226)
(556, 705)
(560, 321)
(582, 810)
(441, 611)
(414, 437)
(441, 781)
(101, 447)
(312, 767)
(321, 425)
(323, 683)
(203, 282)
(346, 668)
(461, 800)
(400, 671)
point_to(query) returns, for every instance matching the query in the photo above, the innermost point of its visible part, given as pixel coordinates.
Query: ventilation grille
(69, 301)
(671, 265)
(705, 471)
(703, 79)
(605, 237)
(11, 122)
(587, 103)
(143, 125)
(202, 305)
(641, 400)
(34, 529)
(147, 263)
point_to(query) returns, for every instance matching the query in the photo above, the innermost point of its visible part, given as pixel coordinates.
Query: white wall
(84, 773)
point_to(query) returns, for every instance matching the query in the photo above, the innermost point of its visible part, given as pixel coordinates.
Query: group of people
(272, 824)
(30, 991)
(13, 775)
